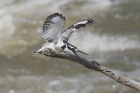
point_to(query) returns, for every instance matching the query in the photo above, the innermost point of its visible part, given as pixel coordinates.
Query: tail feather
(81, 52)
(77, 55)
(75, 48)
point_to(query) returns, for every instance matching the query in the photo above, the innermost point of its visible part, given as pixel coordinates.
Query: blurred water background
(114, 41)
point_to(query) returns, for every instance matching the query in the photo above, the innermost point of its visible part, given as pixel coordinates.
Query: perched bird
(58, 40)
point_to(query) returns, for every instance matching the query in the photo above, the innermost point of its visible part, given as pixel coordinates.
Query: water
(113, 41)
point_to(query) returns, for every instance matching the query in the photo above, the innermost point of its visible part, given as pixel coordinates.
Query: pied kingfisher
(58, 40)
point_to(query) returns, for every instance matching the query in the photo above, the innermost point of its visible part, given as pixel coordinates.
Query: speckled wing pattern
(67, 33)
(53, 27)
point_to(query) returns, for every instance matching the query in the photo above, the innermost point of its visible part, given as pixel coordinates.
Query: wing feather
(67, 33)
(53, 26)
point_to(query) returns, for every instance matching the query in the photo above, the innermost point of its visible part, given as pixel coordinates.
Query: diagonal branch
(94, 66)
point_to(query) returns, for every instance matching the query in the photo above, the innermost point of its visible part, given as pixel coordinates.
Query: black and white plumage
(53, 27)
(55, 38)
(67, 33)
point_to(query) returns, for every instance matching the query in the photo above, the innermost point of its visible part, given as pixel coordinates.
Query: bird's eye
(40, 52)
(50, 40)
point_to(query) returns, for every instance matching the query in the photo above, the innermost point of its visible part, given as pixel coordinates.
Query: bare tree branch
(94, 66)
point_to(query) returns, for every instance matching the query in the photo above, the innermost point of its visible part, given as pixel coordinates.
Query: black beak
(37, 52)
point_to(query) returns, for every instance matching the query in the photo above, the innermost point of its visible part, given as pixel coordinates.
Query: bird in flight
(55, 37)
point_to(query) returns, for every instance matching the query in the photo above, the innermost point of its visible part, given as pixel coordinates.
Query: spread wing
(67, 33)
(53, 26)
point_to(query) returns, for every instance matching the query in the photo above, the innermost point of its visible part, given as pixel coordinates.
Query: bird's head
(46, 51)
